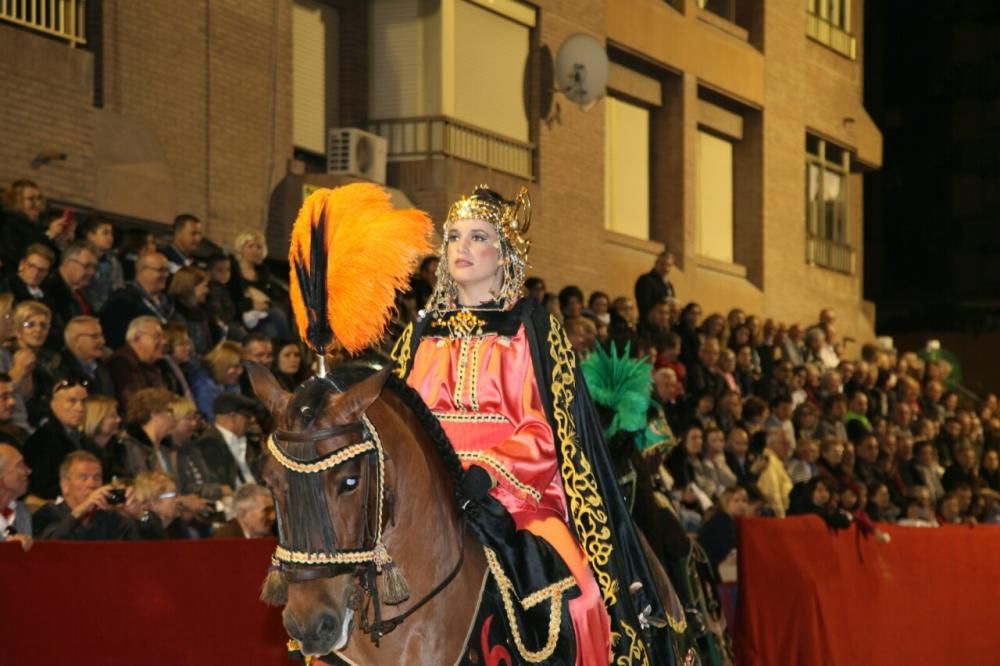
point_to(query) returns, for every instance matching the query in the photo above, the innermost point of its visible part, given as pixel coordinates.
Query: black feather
(312, 282)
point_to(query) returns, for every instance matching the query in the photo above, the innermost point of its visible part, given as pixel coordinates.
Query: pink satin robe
(483, 390)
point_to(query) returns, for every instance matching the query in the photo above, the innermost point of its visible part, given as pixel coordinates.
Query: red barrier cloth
(811, 596)
(140, 602)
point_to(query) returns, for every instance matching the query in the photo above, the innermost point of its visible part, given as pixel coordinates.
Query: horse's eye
(347, 484)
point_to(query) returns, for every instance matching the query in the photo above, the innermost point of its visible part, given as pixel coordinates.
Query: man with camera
(86, 510)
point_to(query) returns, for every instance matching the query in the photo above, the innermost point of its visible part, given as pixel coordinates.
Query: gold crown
(511, 220)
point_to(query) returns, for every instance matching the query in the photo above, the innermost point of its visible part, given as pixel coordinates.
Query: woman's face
(233, 373)
(834, 454)
(599, 305)
(692, 316)
(574, 307)
(111, 422)
(165, 506)
(183, 429)
(881, 497)
(693, 442)
(289, 359)
(253, 251)
(34, 330)
(474, 256)
(821, 495)
(991, 461)
(738, 505)
(183, 350)
(716, 442)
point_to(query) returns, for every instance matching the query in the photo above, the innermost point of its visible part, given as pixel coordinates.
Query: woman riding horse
(501, 377)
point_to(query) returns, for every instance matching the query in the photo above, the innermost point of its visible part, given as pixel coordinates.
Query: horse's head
(326, 468)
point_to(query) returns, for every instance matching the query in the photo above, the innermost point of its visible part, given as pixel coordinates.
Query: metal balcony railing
(825, 32)
(423, 137)
(64, 19)
(830, 254)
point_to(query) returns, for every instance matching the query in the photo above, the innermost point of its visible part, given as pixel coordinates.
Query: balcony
(830, 254)
(63, 19)
(832, 36)
(441, 136)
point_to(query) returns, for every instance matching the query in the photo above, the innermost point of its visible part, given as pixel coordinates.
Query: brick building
(733, 131)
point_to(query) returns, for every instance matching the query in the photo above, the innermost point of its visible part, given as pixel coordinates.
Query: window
(724, 8)
(830, 24)
(827, 169)
(626, 168)
(715, 197)
(314, 74)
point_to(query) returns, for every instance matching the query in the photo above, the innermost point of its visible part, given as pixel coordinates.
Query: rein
(372, 559)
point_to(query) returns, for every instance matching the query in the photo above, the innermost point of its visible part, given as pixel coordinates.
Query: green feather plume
(621, 384)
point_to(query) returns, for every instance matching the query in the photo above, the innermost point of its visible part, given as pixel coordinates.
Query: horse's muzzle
(320, 635)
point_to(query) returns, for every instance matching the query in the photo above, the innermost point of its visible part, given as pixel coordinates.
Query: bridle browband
(371, 559)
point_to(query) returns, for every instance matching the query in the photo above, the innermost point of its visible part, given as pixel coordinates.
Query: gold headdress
(511, 220)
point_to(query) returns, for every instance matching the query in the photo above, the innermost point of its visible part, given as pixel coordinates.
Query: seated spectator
(989, 472)
(86, 511)
(31, 327)
(220, 373)
(99, 233)
(260, 301)
(32, 270)
(148, 421)
(253, 514)
(925, 470)
(806, 419)
(781, 418)
(10, 433)
(135, 243)
(831, 422)
(755, 413)
(219, 302)
(963, 470)
(194, 479)
(714, 328)
(718, 533)
(18, 365)
(15, 519)
(64, 289)
(773, 481)
(156, 495)
(727, 370)
(259, 349)
(668, 351)
(599, 304)
(189, 289)
(880, 507)
(184, 242)
(144, 297)
(813, 497)
(136, 365)
(865, 467)
(289, 368)
(58, 437)
(704, 413)
(744, 463)
(101, 430)
(717, 475)
(582, 335)
(728, 410)
(702, 375)
(23, 225)
(656, 321)
(230, 459)
(667, 394)
(422, 283)
(949, 511)
(857, 409)
(80, 360)
(624, 319)
(802, 466)
(690, 321)
(179, 359)
(746, 374)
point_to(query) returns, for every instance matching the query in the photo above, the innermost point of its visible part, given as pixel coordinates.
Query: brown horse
(403, 498)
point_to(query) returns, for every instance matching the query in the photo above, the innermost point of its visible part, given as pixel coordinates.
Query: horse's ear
(266, 387)
(361, 396)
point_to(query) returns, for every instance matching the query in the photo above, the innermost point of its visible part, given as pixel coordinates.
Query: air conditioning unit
(354, 152)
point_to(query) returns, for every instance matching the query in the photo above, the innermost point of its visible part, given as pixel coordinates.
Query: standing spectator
(792, 347)
(15, 520)
(135, 365)
(32, 270)
(774, 482)
(219, 374)
(80, 360)
(86, 512)
(99, 233)
(145, 296)
(188, 290)
(184, 242)
(224, 446)
(64, 289)
(654, 286)
(253, 509)
(148, 421)
(59, 436)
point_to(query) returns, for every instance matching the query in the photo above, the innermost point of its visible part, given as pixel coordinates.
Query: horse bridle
(372, 557)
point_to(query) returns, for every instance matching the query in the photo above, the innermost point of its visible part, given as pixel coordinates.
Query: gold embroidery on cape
(476, 343)
(636, 648)
(552, 593)
(590, 518)
(460, 324)
(401, 352)
(460, 372)
(499, 468)
(470, 417)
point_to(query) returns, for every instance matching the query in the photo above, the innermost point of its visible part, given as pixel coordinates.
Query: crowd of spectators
(125, 412)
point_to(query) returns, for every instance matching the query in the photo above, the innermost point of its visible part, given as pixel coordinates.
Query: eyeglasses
(162, 270)
(68, 383)
(44, 325)
(87, 266)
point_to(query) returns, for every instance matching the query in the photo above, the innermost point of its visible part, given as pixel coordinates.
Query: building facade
(732, 132)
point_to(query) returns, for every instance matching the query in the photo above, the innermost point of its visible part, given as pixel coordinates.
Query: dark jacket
(125, 305)
(20, 290)
(650, 288)
(17, 232)
(220, 461)
(70, 367)
(129, 374)
(55, 521)
(60, 299)
(43, 453)
(230, 530)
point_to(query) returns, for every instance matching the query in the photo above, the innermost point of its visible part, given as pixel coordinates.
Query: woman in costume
(500, 375)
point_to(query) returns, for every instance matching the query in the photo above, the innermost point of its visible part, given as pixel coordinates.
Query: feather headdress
(621, 384)
(350, 251)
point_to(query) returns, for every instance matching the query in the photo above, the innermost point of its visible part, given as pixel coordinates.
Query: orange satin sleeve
(483, 390)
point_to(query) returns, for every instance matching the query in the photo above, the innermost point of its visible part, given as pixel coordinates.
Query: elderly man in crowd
(58, 437)
(15, 520)
(253, 514)
(80, 360)
(145, 296)
(774, 482)
(230, 459)
(88, 511)
(32, 270)
(64, 289)
(136, 365)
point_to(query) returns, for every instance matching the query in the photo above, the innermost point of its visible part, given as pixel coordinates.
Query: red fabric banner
(139, 602)
(811, 596)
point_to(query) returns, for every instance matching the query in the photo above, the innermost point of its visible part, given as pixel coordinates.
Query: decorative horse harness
(377, 574)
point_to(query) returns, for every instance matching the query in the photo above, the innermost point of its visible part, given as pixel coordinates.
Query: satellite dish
(582, 69)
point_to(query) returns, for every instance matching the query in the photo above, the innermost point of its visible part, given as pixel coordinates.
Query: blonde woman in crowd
(101, 428)
(220, 373)
(160, 518)
(261, 302)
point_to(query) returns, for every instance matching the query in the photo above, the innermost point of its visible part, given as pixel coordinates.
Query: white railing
(830, 254)
(827, 33)
(64, 19)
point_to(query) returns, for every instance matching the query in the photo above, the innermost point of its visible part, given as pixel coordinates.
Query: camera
(116, 496)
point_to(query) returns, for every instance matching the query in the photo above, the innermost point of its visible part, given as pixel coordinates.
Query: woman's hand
(261, 302)
(23, 363)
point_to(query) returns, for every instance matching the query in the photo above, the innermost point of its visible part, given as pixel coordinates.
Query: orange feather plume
(371, 249)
